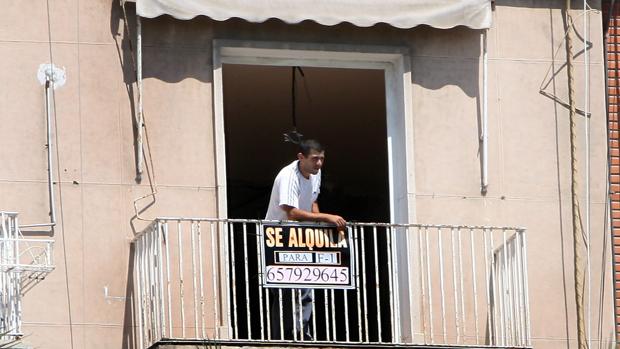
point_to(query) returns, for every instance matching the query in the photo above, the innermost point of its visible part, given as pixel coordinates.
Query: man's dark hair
(307, 145)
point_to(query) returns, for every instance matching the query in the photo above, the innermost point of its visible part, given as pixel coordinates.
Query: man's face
(312, 163)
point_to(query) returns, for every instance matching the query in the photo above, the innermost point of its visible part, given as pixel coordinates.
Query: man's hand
(296, 214)
(337, 220)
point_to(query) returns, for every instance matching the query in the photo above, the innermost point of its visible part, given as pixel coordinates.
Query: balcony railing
(200, 279)
(23, 263)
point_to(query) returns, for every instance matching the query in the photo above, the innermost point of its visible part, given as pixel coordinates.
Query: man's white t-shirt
(291, 188)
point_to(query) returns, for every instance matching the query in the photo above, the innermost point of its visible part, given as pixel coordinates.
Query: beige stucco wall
(529, 164)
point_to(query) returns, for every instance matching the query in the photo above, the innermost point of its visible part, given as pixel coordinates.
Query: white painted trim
(394, 61)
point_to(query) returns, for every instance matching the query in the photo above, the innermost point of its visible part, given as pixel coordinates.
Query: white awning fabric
(364, 13)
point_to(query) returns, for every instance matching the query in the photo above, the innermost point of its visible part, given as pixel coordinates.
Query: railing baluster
(281, 313)
(410, 284)
(346, 315)
(502, 285)
(520, 284)
(259, 255)
(376, 263)
(294, 307)
(430, 288)
(462, 288)
(364, 277)
(215, 271)
(202, 284)
(223, 231)
(332, 298)
(326, 307)
(394, 316)
(515, 291)
(455, 288)
(139, 250)
(168, 281)
(247, 279)
(268, 313)
(194, 276)
(528, 338)
(313, 316)
(147, 285)
(441, 285)
(234, 280)
(162, 318)
(496, 293)
(475, 281)
(357, 284)
(181, 282)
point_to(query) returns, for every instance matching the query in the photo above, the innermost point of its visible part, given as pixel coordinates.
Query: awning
(364, 13)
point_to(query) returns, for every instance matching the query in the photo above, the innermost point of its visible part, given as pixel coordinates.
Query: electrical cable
(60, 205)
(577, 223)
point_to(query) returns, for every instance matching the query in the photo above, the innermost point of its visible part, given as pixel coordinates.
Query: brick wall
(611, 24)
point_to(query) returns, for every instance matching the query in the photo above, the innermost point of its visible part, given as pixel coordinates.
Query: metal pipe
(484, 154)
(139, 154)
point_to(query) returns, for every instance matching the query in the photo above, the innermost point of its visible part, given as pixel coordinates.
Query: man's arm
(296, 214)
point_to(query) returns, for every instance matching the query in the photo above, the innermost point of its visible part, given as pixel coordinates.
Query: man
(293, 197)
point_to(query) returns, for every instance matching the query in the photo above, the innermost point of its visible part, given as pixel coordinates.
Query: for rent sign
(303, 255)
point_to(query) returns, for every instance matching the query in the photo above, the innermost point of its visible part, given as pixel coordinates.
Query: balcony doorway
(345, 110)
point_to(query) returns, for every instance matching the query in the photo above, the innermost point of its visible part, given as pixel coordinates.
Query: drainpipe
(52, 77)
(140, 155)
(484, 137)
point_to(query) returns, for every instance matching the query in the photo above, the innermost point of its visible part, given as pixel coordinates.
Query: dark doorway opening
(342, 108)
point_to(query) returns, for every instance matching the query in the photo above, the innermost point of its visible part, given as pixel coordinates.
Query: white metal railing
(23, 264)
(199, 279)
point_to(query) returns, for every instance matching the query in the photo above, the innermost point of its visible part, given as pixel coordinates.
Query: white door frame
(394, 61)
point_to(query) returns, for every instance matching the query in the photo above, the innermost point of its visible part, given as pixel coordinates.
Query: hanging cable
(293, 136)
(62, 219)
(578, 237)
(587, 164)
